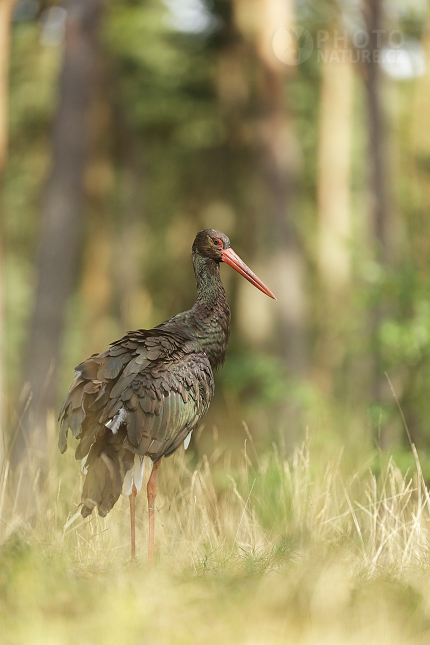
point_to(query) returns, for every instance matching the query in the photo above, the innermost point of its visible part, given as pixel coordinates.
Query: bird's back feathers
(142, 396)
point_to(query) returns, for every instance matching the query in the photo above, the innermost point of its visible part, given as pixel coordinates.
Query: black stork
(148, 391)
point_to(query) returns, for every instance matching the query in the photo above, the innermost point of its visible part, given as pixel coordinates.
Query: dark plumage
(147, 392)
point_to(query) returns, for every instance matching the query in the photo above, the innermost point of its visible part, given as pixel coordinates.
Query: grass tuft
(271, 550)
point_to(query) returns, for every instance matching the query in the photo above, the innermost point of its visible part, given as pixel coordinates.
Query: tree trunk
(274, 148)
(381, 220)
(62, 215)
(6, 7)
(377, 135)
(286, 265)
(334, 225)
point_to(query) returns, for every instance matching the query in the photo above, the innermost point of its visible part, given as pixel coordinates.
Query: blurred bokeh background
(300, 129)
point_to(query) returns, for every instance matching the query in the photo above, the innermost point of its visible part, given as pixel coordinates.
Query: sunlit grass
(260, 549)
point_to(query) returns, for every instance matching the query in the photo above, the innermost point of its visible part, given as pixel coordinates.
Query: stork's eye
(217, 242)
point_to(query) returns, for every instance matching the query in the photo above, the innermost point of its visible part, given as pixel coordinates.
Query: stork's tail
(107, 466)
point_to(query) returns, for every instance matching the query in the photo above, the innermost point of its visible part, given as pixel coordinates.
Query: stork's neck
(209, 317)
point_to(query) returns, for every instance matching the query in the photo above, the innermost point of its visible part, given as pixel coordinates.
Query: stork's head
(216, 246)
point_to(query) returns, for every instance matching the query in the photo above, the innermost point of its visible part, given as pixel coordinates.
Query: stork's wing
(155, 384)
(143, 395)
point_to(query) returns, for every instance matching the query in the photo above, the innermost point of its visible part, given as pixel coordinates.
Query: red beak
(229, 256)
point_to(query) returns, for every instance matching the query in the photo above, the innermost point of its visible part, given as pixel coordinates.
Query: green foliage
(256, 377)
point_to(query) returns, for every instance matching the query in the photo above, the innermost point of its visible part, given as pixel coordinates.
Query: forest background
(299, 130)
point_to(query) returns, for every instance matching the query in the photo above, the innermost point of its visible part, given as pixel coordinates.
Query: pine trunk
(61, 224)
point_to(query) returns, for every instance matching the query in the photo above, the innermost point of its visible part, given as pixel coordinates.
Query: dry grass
(271, 551)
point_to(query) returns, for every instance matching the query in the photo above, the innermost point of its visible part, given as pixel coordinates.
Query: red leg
(152, 492)
(132, 499)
